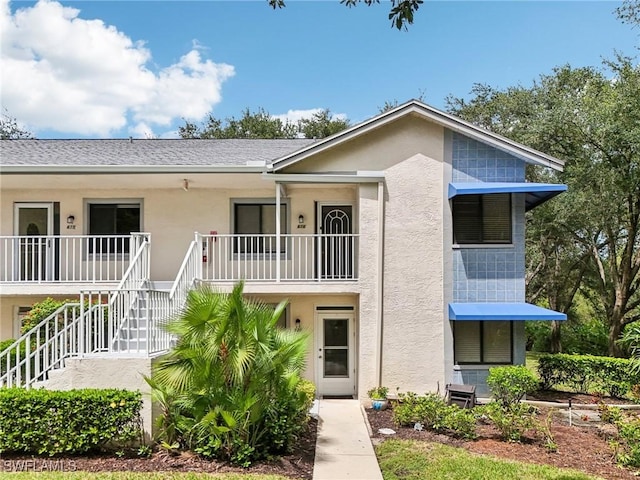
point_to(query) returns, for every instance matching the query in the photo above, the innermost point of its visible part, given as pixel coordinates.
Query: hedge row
(47, 422)
(583, 373)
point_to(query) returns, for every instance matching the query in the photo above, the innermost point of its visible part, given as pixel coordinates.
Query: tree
(10, 130)
(262, 125)
(231, 387)
(321, 124)
(629, 12)
(401, 13)
(250, 125)
(592, 122)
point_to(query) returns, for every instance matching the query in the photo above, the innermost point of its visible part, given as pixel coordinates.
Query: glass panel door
(335, 364)
(33, 223)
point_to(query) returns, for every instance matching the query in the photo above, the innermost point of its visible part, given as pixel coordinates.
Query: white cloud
(73, 75)
(293, 116)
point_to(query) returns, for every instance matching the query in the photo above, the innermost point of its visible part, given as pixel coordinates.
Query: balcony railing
(69, 259)
(312, 257)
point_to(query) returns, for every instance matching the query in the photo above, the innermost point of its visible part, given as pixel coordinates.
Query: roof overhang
(356, 177)
(535, 193)
(415, 107)
(128, 169)
(501, 311)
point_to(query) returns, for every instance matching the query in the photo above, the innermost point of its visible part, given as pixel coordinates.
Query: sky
(114, 69)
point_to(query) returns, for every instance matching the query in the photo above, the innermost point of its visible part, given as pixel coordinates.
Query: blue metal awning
(501, 311)
(535, 193)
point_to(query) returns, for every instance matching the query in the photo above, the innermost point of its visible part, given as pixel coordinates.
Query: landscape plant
(231, 388)
(47, 422)
(509, 385)
(582, 373)
(432, 412)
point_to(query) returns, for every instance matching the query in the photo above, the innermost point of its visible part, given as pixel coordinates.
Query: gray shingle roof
(145, 152)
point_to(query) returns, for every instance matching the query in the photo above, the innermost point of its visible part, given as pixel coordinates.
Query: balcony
(66, 259)
(312, 257)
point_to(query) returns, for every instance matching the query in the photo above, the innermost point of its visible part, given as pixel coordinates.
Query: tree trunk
(615, 329)
(555, 343)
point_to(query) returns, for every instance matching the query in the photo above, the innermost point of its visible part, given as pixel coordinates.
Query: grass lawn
(413, 460)
(532, 361)
(134, 476)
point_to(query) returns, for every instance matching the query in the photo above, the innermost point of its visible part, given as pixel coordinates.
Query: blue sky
(113, 69)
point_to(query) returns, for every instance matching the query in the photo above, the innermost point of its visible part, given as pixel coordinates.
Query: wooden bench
(462, 395)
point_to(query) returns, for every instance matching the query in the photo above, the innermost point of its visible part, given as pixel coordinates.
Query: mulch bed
(581, 448)
(298, 465)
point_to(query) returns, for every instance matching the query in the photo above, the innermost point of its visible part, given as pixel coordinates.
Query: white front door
(335, 356)
(33, 222)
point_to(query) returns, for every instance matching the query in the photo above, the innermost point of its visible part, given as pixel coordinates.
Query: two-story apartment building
(399, 243)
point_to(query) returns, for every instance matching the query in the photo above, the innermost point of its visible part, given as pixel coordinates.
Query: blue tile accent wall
(489, 274)
(476, 162)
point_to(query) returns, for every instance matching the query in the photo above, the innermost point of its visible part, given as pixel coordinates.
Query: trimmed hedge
(582, 373)
(47, 422)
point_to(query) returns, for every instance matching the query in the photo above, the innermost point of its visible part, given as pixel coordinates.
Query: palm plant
(231, 375)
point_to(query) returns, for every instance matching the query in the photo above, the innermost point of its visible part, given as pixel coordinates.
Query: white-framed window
(482, 219)
(107, 217)
(254, 225)
(483, 342)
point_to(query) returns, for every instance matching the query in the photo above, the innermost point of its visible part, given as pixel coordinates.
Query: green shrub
(39, 311)
(433, 413)
(581, 373)
(629, 432)
(509, 385)
(576, 337)
(512, 421)
(46, 422)
(231, 388)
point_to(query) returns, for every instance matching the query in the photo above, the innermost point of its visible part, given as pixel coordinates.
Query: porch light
(71, 219)
(301, 219)
(298, 323)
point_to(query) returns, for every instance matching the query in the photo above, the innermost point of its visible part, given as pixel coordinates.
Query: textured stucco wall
(413, 354)
(100, 372)
(369, 298)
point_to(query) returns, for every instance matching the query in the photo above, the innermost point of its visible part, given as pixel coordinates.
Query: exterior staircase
(120, 323)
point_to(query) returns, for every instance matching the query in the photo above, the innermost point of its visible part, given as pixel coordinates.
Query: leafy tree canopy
(401, 12)
(261, 124)
(10, 130)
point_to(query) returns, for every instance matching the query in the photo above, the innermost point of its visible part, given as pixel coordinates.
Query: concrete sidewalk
(343, 448)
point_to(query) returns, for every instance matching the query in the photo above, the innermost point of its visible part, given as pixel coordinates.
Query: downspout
(380, 283)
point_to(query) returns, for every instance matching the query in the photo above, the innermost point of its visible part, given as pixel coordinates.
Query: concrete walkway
(343, 448)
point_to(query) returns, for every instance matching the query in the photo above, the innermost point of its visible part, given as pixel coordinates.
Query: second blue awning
(535, 193)
(502, 311)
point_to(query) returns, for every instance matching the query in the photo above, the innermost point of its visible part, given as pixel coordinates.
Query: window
(255, 227)
(482, 219)
(483, 342)
(112, 219)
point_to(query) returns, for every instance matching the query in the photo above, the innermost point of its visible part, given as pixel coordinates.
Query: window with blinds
(482, 219)
(483, 342)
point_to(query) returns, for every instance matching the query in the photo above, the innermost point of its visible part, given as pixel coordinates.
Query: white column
(277, 232)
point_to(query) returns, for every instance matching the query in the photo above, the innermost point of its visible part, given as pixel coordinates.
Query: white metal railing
(93, 325)
(315, 257)
(68, 258)
(42, 349)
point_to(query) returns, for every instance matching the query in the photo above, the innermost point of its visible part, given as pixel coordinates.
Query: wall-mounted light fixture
(185, 185)
(301, 219)
(71, 219)
(297, 324)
